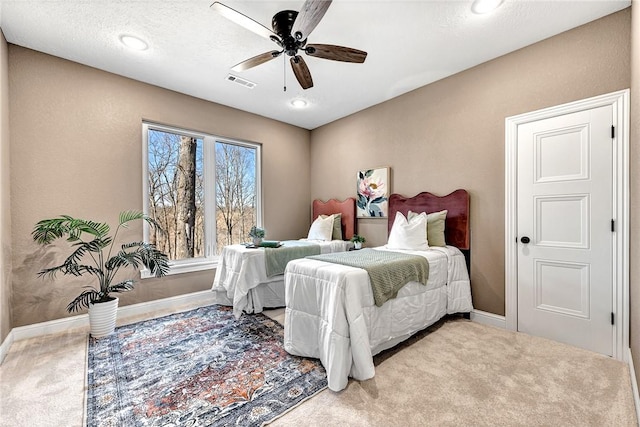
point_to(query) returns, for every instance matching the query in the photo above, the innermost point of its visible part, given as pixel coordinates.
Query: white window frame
(210, 259)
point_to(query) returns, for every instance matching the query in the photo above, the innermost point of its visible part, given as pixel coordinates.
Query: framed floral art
(373, 193)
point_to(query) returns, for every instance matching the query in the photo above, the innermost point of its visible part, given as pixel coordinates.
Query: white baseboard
(634, 385)
(50, 327)
(6, 344)
(490, 319)
(202, 298)
(82, 320)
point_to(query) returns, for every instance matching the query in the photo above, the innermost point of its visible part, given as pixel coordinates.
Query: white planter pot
(102, 318)
(357, 245)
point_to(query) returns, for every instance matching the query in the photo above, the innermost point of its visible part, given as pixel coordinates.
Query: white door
(564, 228)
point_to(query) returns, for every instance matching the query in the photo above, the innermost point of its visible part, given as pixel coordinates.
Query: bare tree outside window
(186, 206)
(177, 187)
(235, 193)
(176, 193)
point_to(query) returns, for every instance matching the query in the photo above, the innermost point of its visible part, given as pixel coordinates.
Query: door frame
(620, 102)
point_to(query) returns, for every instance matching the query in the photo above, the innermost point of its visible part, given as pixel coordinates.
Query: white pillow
(409, 235)
(321, 229)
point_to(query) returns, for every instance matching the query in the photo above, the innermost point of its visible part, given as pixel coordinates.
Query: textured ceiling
(192, 48)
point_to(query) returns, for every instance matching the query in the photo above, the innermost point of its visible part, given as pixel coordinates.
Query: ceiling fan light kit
(290, 32)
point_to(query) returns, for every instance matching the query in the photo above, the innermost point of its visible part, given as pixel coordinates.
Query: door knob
(525, 239)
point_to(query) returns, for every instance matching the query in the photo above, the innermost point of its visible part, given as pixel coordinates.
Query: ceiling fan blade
(336, 53)
(302, 72)
(256, 60)
(243, 20)
(308, 18)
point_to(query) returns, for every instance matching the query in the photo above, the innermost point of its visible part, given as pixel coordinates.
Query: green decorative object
(358, 241)
(95, 254)
(256, 234)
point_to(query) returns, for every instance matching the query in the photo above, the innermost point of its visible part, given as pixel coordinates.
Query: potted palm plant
(95, 254)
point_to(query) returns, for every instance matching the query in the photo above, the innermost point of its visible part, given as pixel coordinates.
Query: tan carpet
(460, 373)
(464, 373)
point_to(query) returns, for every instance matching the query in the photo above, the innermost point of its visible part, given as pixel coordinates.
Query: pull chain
(284, 71)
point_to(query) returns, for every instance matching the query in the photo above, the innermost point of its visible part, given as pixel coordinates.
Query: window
(203, 190)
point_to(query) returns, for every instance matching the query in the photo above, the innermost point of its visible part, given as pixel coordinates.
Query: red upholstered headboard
(456, 228)
(346, 207)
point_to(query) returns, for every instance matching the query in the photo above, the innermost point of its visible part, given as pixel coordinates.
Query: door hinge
(613, 226)
(613, 132)
(612, 319)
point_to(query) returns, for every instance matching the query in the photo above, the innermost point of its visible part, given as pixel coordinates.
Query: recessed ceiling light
(481, 7)
(299, 103)
(133, 42)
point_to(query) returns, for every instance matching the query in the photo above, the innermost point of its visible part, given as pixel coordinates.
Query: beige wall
(634, 161)
(5, 212)
(76, 148)
(450, 134)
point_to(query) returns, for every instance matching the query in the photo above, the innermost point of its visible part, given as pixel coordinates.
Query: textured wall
(76, 148)
(73, 126)
(5, 212)
(450, 134)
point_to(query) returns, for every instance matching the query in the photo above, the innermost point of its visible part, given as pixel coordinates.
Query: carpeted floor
(462, 373)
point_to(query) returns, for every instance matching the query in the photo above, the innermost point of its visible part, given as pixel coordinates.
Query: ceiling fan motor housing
(282, 24)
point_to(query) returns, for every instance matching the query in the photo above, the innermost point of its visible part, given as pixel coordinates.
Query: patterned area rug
(198, 368)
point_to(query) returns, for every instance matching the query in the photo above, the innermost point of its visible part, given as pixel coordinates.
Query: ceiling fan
(290, 32)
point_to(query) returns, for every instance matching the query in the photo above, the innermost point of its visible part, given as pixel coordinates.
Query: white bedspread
(331, 314)
(241, 269)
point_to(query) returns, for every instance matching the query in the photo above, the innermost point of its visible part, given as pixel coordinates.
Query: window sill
(184, 267)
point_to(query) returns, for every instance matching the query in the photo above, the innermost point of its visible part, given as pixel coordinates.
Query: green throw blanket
(388, 271)
(276, 259)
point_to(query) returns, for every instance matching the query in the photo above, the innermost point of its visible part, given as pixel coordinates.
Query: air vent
(241, 81)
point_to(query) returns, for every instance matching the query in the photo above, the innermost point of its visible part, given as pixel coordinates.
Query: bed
(331, 313)
(242, 280)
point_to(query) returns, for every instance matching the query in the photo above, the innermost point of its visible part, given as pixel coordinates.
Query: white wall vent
(241, 81)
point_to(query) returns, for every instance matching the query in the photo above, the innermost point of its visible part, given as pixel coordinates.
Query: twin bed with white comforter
(243, 279)
(331, 313)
